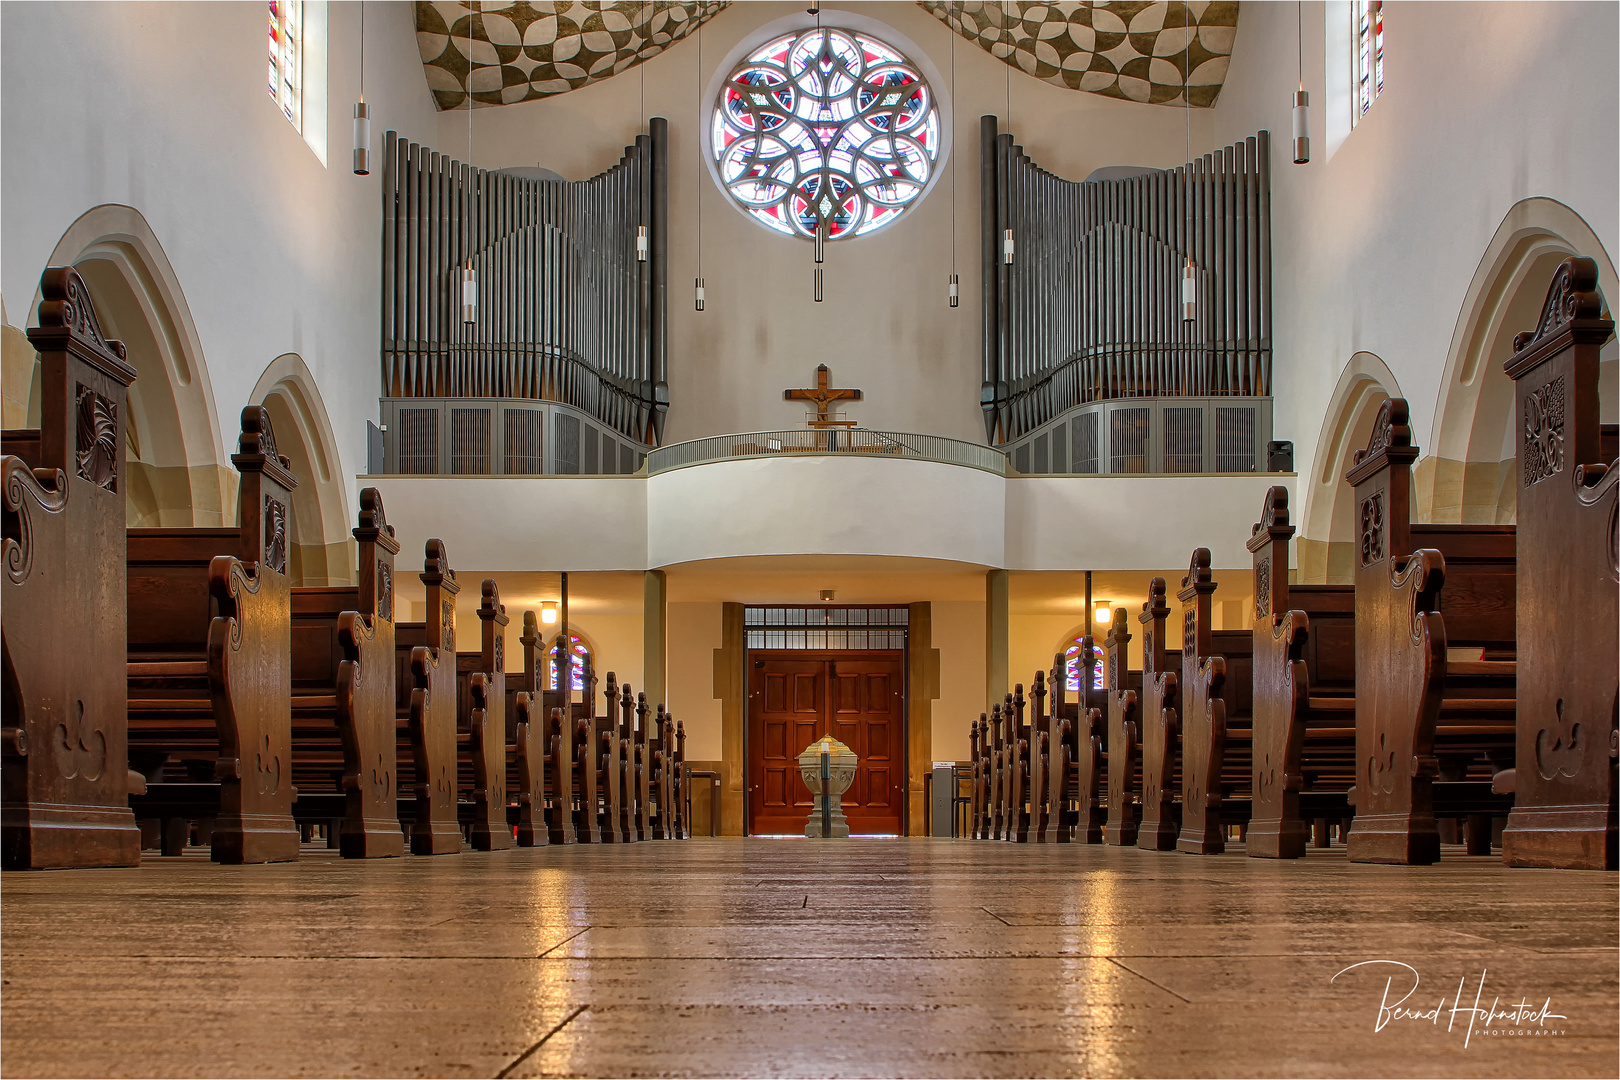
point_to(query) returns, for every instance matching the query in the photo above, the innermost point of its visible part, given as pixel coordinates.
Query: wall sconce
(548, 612)
(1103, 614)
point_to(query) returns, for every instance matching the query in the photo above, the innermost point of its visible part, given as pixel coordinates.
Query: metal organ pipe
(1091, 305)
(565, 309)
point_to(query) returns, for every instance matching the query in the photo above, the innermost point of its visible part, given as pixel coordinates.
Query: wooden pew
(1203, 715)
(529, 740)
(1057, 820)
(343, 698)
(1088, 774)
(1158, 726)
(683, 827)
(976, 803)
(1304, 645)
(1016, 764)
(63, 749)
(481, 691)
(1406, 616)
(587, 759)
(1564, 812)
(211, 694)
(426, 708)
(1120, 828)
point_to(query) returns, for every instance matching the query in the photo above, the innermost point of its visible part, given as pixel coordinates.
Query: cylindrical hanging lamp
(1302, 127)
(469, 293)
(1007, 247)
(362, 112)
(1189, 293)
(955, 297)
(699, 294)
(362, 139)
(641, 243)
(1302, 100)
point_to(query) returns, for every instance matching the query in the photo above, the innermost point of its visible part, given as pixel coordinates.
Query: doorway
(794, 698)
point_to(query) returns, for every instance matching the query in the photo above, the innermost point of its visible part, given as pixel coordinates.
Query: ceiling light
(1103, 613)
(548, 612)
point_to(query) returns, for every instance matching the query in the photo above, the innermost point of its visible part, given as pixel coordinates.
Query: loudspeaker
(1279, 456)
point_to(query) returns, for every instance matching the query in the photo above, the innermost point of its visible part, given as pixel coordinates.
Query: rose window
(828, 130)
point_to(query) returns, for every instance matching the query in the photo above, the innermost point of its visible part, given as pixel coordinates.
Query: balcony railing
(805, 443)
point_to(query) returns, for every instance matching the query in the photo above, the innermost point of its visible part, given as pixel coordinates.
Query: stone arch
(322, 548)
(1466, 476)
(178, 466)
(1327, 536)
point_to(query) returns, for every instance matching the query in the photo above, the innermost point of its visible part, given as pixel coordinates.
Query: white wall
(885, 326)
(164, 107)
(832, 506)
(1375, 243)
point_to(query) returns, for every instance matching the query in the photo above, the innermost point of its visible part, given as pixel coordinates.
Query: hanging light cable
(1189, 283)
(1302, 100)
(954, 298)
(641, 62)
(469, 276)
(362, 112)
(698, 188)
(822, 191)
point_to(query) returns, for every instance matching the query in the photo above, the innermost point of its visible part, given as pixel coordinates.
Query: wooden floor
(804, 958)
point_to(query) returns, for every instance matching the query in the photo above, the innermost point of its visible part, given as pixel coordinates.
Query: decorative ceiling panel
(1159, 52)
(1156, 51)
(522, 51)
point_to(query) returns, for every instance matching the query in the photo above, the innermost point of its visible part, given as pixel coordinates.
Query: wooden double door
(796, 697)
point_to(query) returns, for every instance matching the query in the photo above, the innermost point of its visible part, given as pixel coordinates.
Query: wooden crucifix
(823, 396)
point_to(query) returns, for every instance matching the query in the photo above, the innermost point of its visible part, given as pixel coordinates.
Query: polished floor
(809, 958)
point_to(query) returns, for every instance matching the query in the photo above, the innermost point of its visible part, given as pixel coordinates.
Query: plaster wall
(1377, 239)
(885, 326)
(163, 107)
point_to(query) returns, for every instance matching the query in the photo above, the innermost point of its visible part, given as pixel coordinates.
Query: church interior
(778, 538)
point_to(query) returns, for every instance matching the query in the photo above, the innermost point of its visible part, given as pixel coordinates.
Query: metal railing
(806, 443)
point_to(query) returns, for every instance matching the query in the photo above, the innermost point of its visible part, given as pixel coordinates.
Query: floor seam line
(1145, 979)
(521, 1058)
(561, 943)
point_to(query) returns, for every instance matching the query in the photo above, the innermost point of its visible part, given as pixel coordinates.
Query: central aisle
(802, 958)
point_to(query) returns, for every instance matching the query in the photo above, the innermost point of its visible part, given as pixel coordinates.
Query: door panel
(794, 699)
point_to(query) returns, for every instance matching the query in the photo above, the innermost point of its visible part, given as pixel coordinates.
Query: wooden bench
(528, 739)
(425, 710)
(481, 726)
(343, 698)
(1564, 812)
(210, 667)
(63, 747)
(1158, 726)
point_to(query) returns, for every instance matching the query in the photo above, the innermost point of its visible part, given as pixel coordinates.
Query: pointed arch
(1327, 538)
(322, 548)
(178, 467)
(1466, 475)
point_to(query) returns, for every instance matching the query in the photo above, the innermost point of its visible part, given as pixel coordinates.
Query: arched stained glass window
(826, 129)
(1071, 667)
(579, 653)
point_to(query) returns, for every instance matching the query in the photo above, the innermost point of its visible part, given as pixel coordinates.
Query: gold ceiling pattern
(1159, 52)
(1163, 52)
(523, 51)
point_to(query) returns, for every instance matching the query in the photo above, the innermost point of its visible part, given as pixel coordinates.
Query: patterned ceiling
(1138, 50)
(523, 51)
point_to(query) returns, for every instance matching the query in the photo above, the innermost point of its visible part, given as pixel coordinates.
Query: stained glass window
(827, 129)
(1368, 33)
(579, 652)
(287, 58)
(1071, 667)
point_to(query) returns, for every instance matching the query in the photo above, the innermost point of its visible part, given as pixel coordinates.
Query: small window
(287, 59)
(1072, 666)
(579, 652)
(1367, 34)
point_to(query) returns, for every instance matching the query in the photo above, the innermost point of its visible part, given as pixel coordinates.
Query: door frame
(826, 655)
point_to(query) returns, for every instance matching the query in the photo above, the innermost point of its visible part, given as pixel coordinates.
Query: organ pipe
(1156, 285)
(499, 286)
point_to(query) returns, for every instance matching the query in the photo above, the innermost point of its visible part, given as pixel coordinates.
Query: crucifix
(823, 396)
